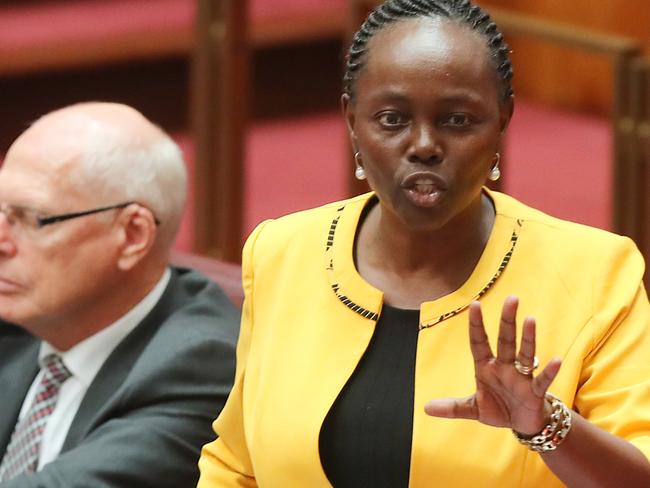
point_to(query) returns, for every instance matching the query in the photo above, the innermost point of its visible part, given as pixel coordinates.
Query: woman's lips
(423, 199)
(423, 189)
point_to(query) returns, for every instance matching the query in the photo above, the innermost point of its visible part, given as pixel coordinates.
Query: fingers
(478, 340)
(526, 354)
(542, 381)
(452, 408)
(507, 344)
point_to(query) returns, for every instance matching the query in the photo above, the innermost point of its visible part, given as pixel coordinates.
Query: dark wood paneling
(569, 78)
(220, 110)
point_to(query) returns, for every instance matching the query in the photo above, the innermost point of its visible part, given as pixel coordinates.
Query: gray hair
(122, 166)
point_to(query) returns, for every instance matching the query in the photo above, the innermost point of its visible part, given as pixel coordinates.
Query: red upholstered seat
(561, 163)
(37, 36)
(291, 164)
(89, 20)
(54, 34)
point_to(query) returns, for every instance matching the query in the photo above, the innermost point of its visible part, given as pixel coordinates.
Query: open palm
(504, 397)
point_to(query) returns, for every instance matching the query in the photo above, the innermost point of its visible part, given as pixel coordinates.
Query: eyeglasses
(33, 219)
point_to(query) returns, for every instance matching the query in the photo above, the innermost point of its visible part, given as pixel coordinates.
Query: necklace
(369, 314)
(504, 262)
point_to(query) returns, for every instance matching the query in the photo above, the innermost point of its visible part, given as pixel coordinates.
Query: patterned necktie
(24, 447)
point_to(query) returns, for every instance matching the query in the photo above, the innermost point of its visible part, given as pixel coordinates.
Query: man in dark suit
(112, 364)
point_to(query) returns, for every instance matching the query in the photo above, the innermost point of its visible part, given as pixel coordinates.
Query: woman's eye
(457, 120)
(391, 119)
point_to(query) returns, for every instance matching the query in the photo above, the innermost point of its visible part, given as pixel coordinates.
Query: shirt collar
(86, 358)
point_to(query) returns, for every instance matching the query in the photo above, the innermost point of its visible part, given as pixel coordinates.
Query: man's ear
(347, 105)
(138, 234)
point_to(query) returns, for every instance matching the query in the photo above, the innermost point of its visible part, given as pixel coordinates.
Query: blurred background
(250, 90)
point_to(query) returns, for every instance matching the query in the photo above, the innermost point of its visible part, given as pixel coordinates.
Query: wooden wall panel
(220, 113)
(624, 17)
(568, 78)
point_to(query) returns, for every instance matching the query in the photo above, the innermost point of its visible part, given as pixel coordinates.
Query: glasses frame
(53, 219)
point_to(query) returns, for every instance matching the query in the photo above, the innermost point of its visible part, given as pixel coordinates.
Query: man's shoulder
(9, 330)
(14, 341)
(194, 306)
(190, 333)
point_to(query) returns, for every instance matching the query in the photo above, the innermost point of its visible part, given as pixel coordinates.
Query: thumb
(452, 408)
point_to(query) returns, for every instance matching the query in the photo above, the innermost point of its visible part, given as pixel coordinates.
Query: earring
(495, 173)
(359, 172)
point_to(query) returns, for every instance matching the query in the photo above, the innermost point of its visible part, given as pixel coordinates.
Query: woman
(356, 313)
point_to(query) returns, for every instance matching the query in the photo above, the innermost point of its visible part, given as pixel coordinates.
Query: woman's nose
(425, 145)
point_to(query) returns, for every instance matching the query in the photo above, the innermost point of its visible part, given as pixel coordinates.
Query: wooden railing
(221, 90)
(621, 52)
(638, 127)
(219, 110)
(630, 115)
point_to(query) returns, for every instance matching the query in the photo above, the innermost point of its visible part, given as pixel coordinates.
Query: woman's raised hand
(506, 396)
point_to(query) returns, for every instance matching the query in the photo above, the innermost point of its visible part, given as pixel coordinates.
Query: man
(112, 364)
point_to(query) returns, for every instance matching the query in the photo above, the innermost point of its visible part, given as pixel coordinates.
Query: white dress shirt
(84, 361)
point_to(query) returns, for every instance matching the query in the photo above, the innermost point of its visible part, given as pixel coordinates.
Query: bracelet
(554, 433)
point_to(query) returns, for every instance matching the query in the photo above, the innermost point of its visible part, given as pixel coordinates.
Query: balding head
(104, 175)
(113, 153)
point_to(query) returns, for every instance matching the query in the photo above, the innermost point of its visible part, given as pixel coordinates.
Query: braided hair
(462, 11)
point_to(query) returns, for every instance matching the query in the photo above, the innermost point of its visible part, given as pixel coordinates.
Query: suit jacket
(147, 413)
(309, 317)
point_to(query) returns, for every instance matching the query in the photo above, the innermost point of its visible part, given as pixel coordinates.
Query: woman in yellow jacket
(359, 313)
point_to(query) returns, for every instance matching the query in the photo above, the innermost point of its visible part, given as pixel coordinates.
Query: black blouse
(365, 440)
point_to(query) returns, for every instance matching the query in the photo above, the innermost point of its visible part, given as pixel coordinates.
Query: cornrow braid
(462, 11)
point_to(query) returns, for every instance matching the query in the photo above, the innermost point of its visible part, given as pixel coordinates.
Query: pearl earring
(495, 173)
(359, 172)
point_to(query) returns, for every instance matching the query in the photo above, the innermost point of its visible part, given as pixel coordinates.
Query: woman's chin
(419, 219)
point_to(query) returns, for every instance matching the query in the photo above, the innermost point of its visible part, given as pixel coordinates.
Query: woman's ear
(506, 110)
(138, 235)
(347, 105)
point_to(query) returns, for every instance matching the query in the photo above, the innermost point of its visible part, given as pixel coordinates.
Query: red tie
(25, 444)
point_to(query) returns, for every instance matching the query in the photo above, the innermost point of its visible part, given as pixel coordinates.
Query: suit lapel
(18, 368)
(102, 394)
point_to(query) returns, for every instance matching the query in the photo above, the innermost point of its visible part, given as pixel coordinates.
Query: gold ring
(527, 370)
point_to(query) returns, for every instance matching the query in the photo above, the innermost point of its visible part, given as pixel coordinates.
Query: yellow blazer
(308, 318)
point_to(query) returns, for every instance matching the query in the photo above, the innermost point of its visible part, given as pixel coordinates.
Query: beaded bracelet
(554, 433)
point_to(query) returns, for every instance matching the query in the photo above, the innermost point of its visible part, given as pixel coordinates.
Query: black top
(365, 440)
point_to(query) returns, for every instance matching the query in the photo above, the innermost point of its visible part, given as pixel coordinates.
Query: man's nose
(7, 244)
